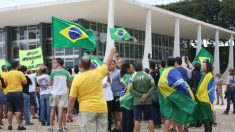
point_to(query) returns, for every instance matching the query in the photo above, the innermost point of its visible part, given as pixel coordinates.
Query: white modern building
(158, 33)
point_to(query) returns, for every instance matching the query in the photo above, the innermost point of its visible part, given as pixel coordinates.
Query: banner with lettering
(32, 59)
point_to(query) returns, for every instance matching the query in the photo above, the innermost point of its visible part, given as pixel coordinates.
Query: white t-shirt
(230, 80)
(108, 94)
(32, 87)
(60, 78)
(43, 82)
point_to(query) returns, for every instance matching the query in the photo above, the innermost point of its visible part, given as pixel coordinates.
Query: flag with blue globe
(119, 34)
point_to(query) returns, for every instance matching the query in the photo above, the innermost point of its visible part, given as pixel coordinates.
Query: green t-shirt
(60, 79)
(142, 83)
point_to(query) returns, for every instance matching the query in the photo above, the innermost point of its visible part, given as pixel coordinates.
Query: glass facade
(28, 37)
(2, 44)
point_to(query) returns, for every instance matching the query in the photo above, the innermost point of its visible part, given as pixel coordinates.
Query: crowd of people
(115, 96)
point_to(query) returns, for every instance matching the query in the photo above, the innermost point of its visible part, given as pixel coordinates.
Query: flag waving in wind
(68, 34)
(119, 34)
(95, 62)
(204, 55)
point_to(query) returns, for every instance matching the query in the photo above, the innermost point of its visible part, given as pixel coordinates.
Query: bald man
(87, 88)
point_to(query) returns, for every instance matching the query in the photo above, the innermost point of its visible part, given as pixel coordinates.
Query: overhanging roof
(128, 13)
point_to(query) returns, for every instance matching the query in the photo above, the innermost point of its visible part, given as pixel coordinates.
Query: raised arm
(109, 60)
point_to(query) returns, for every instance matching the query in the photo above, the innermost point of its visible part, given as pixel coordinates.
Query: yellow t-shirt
(14, 80)
(87, 88)
(3, 75)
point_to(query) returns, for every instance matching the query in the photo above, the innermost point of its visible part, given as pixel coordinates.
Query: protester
(205, 97)
(230, 91)
(126, 100)
(108, 94)
(26, 96)
(120, 62)
(59, 80)
(116, 88)
(2, 99)
(87, 88)
(32, 93)
(156, 107)
(3, 75)
(219, 91)
(182, 70)
(14, 81)
(142, 86)
(45, 93)
(163, 66)
(196, 77)
(176, 96)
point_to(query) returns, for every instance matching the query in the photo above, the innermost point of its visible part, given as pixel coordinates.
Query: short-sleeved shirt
(87, 88)
(116, 83)
(60, 79)
(14, 80)
(32, 87)
(230, 80)
(43, 82)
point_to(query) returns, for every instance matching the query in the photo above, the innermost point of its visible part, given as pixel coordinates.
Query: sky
(10, 3)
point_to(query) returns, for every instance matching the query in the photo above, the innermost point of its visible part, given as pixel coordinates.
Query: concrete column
(148, 41)
(199, 38)
(176, 52)
(216, 54)
(109, 40)
(230, 59)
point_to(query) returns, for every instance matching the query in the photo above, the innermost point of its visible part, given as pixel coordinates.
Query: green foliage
(217, 12)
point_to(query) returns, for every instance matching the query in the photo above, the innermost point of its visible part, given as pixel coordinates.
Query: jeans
(45, 108)
(33, 101)
(26, 108)
(127, 120)
(230, 96)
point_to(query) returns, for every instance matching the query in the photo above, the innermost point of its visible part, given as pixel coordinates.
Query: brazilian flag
(119, 34)
(204, 55)
(68, 35)
(95, 62)
(205, 97)
(176, 99)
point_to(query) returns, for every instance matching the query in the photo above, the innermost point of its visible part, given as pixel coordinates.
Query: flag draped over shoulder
(205, 97)
(95, 62)
(119, 34)
(176, 99)
(126, 99)
(69, 34)
(204, 55)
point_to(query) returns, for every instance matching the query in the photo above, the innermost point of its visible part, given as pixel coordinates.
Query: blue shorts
(146, 110)
(2, 99)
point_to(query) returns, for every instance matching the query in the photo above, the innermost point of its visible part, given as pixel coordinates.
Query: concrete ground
(226, 123)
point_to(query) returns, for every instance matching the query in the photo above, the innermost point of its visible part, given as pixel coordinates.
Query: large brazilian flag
(205, 96)
(69, 34)
(177, 102)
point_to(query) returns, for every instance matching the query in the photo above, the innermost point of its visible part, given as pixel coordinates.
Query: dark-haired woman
(205, 96)
(26, 97)
(45, 93)
(126, 100)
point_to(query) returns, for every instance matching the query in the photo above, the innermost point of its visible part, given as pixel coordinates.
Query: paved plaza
(226, 123)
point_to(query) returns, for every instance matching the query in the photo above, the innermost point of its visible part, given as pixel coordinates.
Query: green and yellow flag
(204, 55)
(205, 96)
(119, 34)
(176, 99)
(69, 34)
(95, 62)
